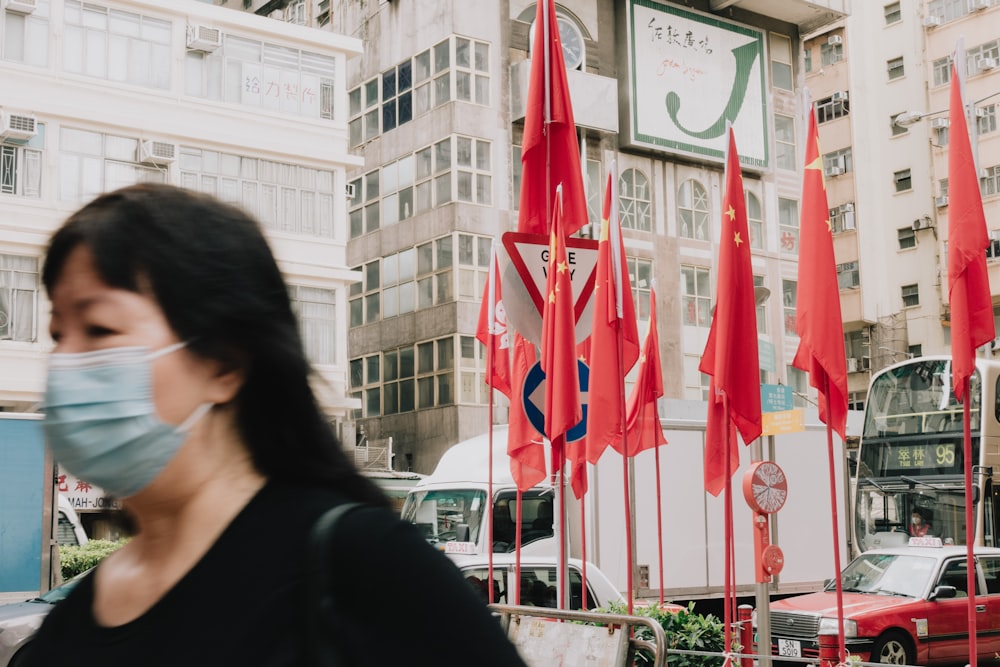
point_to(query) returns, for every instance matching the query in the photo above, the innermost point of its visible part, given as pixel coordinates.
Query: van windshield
(443, 514)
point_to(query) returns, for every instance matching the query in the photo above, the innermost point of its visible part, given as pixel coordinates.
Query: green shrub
(76, 559)
(685, 630)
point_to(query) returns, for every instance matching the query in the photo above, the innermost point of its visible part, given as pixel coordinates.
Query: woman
(179, 384)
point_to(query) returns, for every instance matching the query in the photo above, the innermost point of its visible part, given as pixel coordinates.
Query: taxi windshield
(887, 574)
(447, 514)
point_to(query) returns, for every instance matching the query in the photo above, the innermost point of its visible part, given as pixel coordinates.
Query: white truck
(449, 505)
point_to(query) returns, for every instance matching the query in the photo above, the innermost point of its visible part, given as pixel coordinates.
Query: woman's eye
(96, 331)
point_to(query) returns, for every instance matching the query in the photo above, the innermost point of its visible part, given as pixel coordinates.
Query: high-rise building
(100, 95)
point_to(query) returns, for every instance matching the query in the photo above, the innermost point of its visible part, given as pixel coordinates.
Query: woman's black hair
(211, 271)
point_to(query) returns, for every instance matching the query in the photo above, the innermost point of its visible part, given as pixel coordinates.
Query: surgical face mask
(100, 419)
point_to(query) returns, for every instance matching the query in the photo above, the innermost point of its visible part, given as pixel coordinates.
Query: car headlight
(828, 626)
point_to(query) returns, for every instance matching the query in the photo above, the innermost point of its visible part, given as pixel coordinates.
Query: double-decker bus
(911, 457)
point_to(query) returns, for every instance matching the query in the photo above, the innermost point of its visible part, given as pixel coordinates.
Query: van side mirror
(943, 593)
(462, 532)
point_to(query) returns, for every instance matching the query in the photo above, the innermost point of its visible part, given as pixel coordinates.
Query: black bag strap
(321, 648)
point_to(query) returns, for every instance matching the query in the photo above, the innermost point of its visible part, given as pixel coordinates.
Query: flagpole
(546, 126)
(583, 552)
(517, 547)
(727, 612)
(559, 470)
(970, 526)
(659, 520)
(629, 556)
(489, 485)
(835, 520)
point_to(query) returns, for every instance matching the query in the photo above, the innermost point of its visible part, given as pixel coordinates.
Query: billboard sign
(692, 74)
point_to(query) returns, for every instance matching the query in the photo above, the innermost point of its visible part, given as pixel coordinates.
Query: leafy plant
(76, 559)
(685, 630)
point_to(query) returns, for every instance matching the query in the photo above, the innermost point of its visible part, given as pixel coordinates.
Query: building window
(833, 107)
(363, 296)
(808, 59)
(858, 348)
(18, 297)
(781, 61)
(831, 53)
(789, 298)
(788, 225)
(363, 214)
(397, 191)
(398, 384)
(784, 138)
(284, 197)
(693, 211)
(362, 103)
(472, 71)
(907, 238)
(989, 184)
(848, 276)
(21, 169)
(941, 136)
(124, 47)
(434, 272)
(989, 51)
(436, 373)
(397, 96)
(986, 119)
(942, 71)
(634, 201)
(902, 181)
(911, 296)
(838, 162)
(366, 385)
(473, 169)
(398, 283)
(473, 265)
(316, 309)
(894, 67)
(842, 218)
(26, 36)
(892, 13)
(755, 221)
(595, 193)
(91, 163)
(640, 275)
(798, 380)
(943, 187)
(472, 379)
(915, 351)
(696, 383)
(697, 297)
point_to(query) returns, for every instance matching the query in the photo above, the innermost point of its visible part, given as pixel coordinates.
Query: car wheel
(893, 648)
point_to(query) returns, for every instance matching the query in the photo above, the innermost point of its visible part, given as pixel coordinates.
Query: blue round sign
(535, 379)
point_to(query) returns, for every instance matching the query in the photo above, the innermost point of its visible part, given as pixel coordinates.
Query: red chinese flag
(547, 161)
(644, 429)
(562, 384)
(730, 355)
(492, 330)
(819, 325)
(968, 280)
(614, 335)
(524, 443)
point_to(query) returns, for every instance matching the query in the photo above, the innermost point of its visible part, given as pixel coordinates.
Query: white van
(69, 530)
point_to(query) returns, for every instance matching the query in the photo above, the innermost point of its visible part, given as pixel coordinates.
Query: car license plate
(789, 648)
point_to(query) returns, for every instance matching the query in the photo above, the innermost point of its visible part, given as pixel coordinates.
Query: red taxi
(902, 605)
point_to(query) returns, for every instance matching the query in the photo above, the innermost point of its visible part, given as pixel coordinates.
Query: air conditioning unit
(864, 363)
(203, 38)
(986, 64)
(941, 202)
(20, 6)
(932, 21)
(17, 127)
(847, 208)
(839, 96)
(980, 4)
(157, 152)
(349, 190)
(980, 112)
(922, 223)
(834, 171)
(939, 123)
(834, 39)
(984, 173)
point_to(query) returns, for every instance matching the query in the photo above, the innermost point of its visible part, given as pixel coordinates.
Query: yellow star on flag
(731, 213)
(562, 267)
(736, 239)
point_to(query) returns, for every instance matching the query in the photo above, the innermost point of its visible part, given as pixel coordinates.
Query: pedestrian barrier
(544, 639)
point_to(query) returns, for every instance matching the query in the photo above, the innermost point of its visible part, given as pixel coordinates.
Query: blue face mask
(100, 419)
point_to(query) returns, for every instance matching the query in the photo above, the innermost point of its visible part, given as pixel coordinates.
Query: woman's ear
(225, 383)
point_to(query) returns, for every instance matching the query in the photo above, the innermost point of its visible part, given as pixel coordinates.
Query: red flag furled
(614, 335)
(968, 280)
(730, 355)
(492, 330)
(550, 151)
(524, 443)
(562, 383)
(644, 428)
(821, 350)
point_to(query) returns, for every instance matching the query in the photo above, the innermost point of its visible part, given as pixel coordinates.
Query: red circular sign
(765, 487)
(772, 559)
